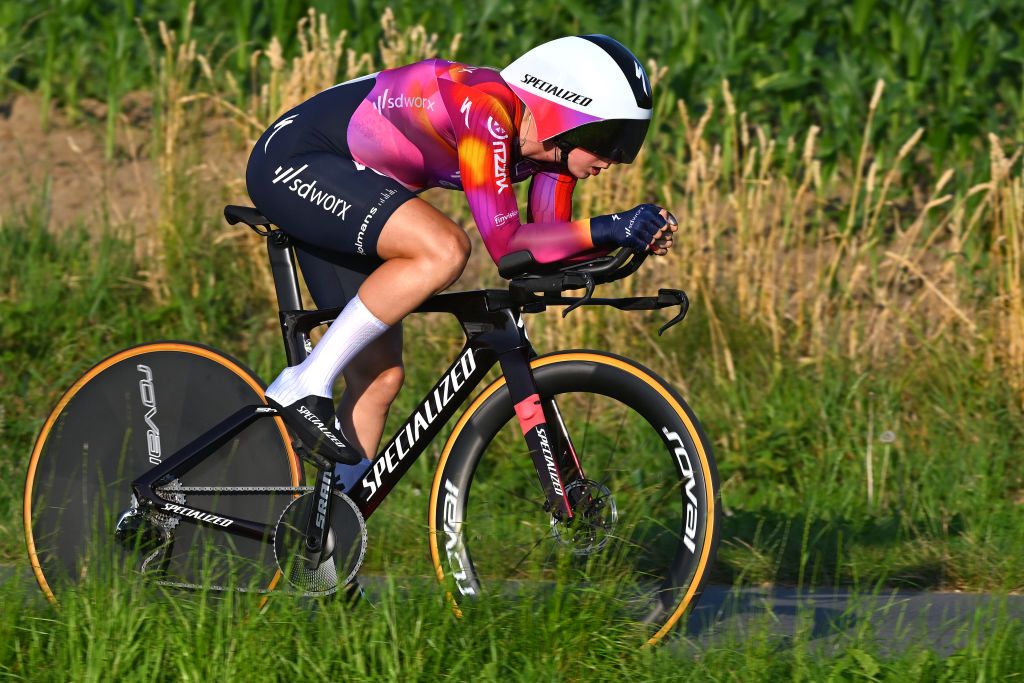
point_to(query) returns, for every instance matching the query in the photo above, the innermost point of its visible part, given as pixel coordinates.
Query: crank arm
(318, 525)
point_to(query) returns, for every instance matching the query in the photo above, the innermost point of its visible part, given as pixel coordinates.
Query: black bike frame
(494, 334)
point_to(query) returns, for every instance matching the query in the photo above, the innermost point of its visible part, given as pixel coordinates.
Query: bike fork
(550, 446)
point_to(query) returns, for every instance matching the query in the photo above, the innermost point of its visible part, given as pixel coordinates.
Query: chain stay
(231, 491)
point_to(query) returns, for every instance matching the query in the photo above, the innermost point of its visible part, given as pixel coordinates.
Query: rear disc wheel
(126, 415)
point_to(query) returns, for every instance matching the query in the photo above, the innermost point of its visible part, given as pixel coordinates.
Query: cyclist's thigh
(418, 229)
(332, 278)
(325, 200)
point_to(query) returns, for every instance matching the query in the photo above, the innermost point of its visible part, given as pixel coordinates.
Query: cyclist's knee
(436, 245)
(449, 254)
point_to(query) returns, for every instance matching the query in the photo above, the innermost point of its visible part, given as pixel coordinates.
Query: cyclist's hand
(663, 238)
(635, 229)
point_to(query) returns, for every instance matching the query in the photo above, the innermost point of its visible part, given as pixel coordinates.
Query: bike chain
(199, 586)
(256, 591)
(235, 490)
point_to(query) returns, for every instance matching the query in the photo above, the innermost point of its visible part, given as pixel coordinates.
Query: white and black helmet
(585, 91)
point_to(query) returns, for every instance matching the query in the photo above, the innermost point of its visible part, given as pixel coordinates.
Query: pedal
(319, 461)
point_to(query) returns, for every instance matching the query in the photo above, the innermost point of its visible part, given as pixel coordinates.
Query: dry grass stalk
(318, 66)
(755, 242)
(174, 65)
(399, 47)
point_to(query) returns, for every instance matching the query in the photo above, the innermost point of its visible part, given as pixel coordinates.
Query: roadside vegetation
(953, 66)
(851, 238)
(112, 630)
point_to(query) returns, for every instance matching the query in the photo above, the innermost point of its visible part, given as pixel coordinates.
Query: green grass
(791, 438)
(937, 423)
(116, 630)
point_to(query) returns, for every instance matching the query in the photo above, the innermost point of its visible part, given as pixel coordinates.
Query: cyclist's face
(584, 164)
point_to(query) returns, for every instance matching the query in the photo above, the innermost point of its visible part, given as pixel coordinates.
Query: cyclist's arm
(550, 198)
(551, 202)
(484, 149)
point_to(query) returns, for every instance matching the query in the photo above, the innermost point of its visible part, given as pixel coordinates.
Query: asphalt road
(892, 619)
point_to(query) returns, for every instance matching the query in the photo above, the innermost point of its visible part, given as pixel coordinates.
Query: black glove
(633, 229)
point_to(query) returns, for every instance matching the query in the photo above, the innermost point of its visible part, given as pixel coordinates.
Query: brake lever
(673, 296)
(588, 281)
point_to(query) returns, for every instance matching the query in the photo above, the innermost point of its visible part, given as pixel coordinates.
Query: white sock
(349, 334)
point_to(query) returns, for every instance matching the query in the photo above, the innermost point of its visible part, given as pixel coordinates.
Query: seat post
(286, 285)
(282, 266)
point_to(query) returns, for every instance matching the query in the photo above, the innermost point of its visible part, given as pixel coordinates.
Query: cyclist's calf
(372, 381)
(376, 387)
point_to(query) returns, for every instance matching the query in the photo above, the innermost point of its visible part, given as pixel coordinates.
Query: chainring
(347, 541)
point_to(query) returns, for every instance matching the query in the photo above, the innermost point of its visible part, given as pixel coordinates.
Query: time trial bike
(166, 458)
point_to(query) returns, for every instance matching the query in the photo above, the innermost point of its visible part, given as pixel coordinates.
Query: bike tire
(486, 507)
(110, 427)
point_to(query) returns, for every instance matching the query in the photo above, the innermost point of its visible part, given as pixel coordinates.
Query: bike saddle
(246, 214)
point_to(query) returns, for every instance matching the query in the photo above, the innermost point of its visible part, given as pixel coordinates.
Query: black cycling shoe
(312, 418)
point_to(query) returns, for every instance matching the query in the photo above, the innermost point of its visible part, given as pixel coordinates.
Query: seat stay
(191, 455)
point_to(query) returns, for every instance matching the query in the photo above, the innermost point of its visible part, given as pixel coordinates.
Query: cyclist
(340, 174)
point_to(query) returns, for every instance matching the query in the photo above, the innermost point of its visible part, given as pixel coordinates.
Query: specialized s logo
(278, 126)
(464, 109)
(148, 395)
(640, 75)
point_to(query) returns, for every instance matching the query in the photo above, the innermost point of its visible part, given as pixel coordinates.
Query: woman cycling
(340, 174)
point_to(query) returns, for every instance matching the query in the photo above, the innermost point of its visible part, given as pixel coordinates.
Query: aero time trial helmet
(585, 91)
